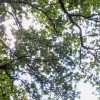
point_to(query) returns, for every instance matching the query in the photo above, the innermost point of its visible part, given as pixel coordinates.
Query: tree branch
(87, 17)
(70, 18)
(74, 23)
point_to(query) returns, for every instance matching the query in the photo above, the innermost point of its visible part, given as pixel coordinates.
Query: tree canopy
(60, 47)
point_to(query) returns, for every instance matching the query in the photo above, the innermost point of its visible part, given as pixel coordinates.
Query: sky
(86, 91)
(85, 88)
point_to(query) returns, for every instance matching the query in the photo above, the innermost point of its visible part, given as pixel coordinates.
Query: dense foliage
(50, 46)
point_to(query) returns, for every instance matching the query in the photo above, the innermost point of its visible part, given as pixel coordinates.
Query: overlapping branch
(70, 16)
(76, 24)
(87, 17)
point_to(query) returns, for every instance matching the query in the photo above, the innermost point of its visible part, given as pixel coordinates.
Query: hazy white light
(86, 91)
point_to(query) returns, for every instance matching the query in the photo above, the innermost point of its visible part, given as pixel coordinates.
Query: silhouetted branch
(70, 18)
(74, 23)
(87, 17)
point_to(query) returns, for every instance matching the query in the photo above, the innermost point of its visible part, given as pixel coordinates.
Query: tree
(54, 52)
